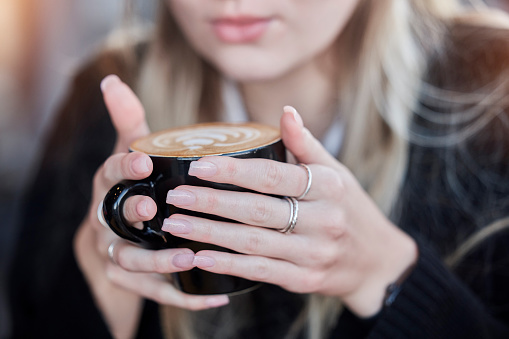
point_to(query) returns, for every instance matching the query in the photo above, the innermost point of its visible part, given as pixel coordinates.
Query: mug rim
(239, 151)
(177, 157)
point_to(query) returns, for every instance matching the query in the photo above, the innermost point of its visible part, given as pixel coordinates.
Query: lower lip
(237, 33)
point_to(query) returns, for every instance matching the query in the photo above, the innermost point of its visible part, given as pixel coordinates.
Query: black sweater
(50, 298)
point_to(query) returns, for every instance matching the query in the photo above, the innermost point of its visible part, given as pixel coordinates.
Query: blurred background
(42, 42)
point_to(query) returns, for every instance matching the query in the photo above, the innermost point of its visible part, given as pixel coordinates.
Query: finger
(139, 208)
(239, 238)
(261, 175)
(122, 166)
(136, 259)
(154, 288)
(126, 112)
(258, 268)
(301, 143)
(247, 208)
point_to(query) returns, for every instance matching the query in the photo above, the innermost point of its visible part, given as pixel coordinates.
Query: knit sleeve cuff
(432, 303)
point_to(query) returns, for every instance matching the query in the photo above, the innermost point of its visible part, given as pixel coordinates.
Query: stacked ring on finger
(292, 221)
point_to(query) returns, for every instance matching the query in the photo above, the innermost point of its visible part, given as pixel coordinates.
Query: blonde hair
(388, 43)
(175, 85)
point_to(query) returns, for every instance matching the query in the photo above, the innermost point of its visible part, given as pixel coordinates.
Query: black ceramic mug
(171, 152)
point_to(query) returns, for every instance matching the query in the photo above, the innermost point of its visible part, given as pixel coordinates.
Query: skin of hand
(342, 244)
(119, 285)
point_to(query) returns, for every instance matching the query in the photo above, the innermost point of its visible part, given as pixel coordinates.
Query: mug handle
(151, 235)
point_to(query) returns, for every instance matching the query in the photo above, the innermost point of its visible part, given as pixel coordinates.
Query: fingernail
(107, 81)
(202, 169)
(183, 260)
(296, 116)
(201, 261)
(141, 165)
(142, 208)
(180, 197)
(177, 226)
(217, 301)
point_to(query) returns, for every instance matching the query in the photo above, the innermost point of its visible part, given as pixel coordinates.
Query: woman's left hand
(342, 244)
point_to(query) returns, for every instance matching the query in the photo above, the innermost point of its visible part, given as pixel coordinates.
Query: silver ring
(111, 248)
(310, 179)
(294, 211)
(100, 215)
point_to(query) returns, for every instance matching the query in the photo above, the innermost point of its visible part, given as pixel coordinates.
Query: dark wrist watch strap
(392, 291)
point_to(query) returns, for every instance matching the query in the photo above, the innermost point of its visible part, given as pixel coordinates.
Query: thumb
(126, 112)
(301, 143)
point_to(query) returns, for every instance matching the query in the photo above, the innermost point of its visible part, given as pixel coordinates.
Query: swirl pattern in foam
(207, 139)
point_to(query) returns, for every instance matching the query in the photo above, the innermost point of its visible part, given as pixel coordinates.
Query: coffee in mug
(171, 152)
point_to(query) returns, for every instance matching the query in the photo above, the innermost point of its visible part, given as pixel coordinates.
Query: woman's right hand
(119, 282)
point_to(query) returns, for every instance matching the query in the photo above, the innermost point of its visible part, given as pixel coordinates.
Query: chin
(248, 69)
(249, 75)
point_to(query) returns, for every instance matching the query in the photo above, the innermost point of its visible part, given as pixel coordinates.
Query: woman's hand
(342, 244)
(119, 283)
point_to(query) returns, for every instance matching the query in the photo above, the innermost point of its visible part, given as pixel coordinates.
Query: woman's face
(260, 40)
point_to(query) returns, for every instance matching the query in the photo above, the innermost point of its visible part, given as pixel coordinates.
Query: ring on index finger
(308, 184)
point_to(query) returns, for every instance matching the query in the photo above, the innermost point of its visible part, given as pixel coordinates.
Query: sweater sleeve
(433, 303)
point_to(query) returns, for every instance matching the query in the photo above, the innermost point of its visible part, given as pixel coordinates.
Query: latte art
(207, 139)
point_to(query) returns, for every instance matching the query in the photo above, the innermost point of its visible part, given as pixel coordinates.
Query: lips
(240, 29)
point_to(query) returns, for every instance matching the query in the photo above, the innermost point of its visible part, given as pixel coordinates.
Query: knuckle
(207, 232)
(328, 257)
(129, 210)
(160, 263)
(125, 166)
(160, 295)
(260, 213)
(273, 176)
(337, 186)
(310, 282)
(261, 270)
(334, 226)
(227, 265)
(108, 168)
(252, 242)
(212, 202)
(315, 257)
(231, 170)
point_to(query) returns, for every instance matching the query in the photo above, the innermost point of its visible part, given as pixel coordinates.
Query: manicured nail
(141, 165)
(183, 260)
(202, 261)
(202, 169)
(142, 209)
(177, 226)
(217, 301)
(107, 81)
(180, 197)
(296, 116)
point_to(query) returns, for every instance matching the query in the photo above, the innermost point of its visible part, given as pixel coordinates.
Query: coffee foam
(207, 139)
